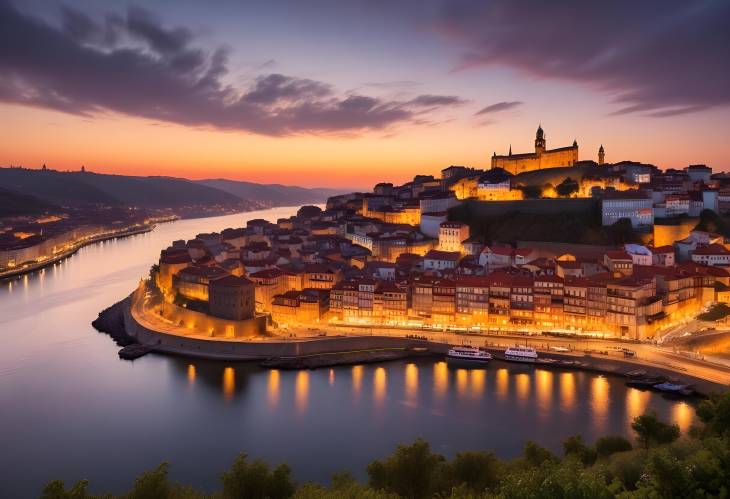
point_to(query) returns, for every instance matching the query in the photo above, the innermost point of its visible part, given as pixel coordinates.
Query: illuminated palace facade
(541, 159)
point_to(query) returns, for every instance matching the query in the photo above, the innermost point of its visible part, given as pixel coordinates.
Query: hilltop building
(541, 159)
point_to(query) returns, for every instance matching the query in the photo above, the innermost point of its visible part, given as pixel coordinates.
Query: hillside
(272, 194)
(15, 204)
(555, 176)
(158, 192)
(189, 198)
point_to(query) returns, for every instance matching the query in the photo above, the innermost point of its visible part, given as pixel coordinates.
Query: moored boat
(521, 354)
(645, 382)
(468, 355)
(670, 387)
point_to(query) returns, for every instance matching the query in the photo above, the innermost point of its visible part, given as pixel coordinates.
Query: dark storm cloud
(498, 107)
(657, 57)
(136, 65)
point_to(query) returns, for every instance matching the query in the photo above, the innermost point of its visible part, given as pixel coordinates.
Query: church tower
(601, 155)
(539, 141)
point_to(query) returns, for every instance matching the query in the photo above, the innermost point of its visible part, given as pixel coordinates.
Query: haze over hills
(77, 189)
(276, 193)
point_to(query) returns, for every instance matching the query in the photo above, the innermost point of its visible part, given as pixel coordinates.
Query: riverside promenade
(308, 347)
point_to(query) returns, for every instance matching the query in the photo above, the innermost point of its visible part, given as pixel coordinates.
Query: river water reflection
(70, 409)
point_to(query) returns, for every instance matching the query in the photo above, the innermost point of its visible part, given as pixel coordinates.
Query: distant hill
(273, 194)
(16, 204)
(78, 189)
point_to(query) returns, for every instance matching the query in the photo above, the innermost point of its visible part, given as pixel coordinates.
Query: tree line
(659, 465)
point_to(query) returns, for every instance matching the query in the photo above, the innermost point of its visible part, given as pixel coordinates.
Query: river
(70, 409)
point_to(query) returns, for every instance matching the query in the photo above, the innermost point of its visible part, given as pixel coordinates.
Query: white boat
(468, 355)
(520, 354)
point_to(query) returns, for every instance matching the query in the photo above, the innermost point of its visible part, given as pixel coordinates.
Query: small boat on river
(521, 354)
(468, 355)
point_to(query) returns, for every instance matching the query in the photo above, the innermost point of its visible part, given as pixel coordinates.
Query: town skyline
(380, 94)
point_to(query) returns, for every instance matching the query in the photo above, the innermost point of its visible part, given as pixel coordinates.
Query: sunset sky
(349, 93)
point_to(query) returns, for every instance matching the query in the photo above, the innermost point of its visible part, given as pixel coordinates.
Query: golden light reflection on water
(273, 388)
(478, 380)
(411, 382)
(380, 382)
(301, 391)
(522, 382)
(544, 389)
(599, 401)
(462, 380)
(567, 391)
(636, 404)
(332, 377)
(229, 383)
(682, 415)
(356, 379)
(191, 374)
(502, 383)
(440, 379)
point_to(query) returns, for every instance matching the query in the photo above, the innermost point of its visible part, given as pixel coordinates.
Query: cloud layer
(656, 57)
(134, 64)
(498, 107)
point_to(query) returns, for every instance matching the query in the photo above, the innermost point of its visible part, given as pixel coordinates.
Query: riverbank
(29, 268)
(121, 323)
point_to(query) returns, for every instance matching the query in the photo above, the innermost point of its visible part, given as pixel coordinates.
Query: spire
(510, 149)
(575, 143)
(495, 154)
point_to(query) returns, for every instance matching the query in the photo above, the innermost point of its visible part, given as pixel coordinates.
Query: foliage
(532, 191)
(413, 471)
(664, 466)
(606, 446)
(254, 480)
(715, 414)
(574, 447)
(567, 187)
(651, 431)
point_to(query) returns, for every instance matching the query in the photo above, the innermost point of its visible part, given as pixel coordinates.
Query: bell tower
(601, 155)
(539, 141)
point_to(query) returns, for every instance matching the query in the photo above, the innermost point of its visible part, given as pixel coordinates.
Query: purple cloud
(498, 107)
(135, 65)
(656, 57)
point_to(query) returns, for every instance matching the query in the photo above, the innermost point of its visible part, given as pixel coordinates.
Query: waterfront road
(644, 354)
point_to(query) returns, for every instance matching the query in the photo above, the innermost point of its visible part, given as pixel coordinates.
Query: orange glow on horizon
(136, 146)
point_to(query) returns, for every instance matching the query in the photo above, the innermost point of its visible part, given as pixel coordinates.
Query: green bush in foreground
(664, 466)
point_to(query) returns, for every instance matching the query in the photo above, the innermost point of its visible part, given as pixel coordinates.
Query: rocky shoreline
(111, 321)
